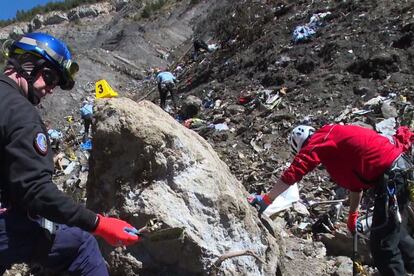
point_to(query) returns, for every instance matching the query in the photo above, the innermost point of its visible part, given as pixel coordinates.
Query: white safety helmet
(299, 136)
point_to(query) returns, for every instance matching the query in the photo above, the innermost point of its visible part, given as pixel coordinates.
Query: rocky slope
(356, 55)
(361, 50)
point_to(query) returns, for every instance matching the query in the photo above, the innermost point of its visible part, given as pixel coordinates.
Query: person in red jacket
(358, 158)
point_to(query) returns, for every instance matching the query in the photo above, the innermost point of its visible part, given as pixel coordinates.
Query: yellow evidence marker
(104, 90)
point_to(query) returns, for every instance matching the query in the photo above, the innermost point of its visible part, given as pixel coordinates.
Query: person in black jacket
(199, 44)
(38, 222)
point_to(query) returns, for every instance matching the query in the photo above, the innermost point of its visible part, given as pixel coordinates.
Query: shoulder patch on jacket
(40, 143)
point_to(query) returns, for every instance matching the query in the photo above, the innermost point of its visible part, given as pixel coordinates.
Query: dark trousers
(87, 122)
(392, 248)
(70, 249)
(198, 45)
(163, 89)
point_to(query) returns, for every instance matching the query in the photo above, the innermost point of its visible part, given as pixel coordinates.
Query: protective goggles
(50, 77)
(70, 67)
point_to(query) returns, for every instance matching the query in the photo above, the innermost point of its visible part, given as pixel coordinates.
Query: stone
(301, 209)
(55, 18)
(146, 166)
(234, 109)
(191, 106)
(388, 111)
(37, 22)
(340, 244)
(343, 266)
(119, 4)
(16, 33)
(362, 90)
(81, 12)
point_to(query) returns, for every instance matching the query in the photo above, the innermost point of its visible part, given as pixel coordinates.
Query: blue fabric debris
(305, 32)
(87, 145)
(208, 103)
(86, 110)
(54, 134)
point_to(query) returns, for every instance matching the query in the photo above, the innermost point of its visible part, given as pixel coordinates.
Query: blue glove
(261, 202)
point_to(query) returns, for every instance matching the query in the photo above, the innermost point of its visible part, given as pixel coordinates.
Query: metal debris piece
(312, 203)
(152, 231)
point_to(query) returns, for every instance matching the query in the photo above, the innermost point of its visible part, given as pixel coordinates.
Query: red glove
(116, 232)
(352, 221)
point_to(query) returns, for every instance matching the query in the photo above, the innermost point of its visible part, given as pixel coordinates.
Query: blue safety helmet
(51, 49)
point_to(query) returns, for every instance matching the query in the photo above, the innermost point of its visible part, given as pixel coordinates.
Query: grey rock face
(119, 4)
(16, 33)
(37, 22)
(55, 18)
(82, 12)
(146, 165)
(73, 15)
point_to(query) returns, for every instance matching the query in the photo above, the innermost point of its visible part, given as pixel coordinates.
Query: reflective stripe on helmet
(43, 46)
(52, 50)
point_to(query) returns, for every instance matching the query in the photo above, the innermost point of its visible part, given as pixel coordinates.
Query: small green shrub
(146, 13)
(152, 7)
(158, 4)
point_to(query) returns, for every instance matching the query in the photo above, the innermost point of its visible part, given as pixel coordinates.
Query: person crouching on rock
(166, 83)
(86, 112)
(38, 222)
(358, 158)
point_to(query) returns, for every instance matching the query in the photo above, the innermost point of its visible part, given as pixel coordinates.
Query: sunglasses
(50, 77)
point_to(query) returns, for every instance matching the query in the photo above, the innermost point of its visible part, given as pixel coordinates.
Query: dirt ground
(364, 49)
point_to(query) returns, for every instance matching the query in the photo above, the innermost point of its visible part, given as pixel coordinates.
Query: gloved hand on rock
(261, 202)
(116, 232)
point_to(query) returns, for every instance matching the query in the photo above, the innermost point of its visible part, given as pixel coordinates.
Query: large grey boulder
(191, 106)
(145, 165)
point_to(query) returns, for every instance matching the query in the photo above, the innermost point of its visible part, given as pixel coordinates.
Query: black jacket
(26, 163)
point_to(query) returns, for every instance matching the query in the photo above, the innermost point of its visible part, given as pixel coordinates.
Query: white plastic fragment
(284, 201)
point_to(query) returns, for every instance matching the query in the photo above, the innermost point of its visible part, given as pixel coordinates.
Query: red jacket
(355, 157)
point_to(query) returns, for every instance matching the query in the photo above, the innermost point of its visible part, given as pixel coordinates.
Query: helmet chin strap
(30, 78)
